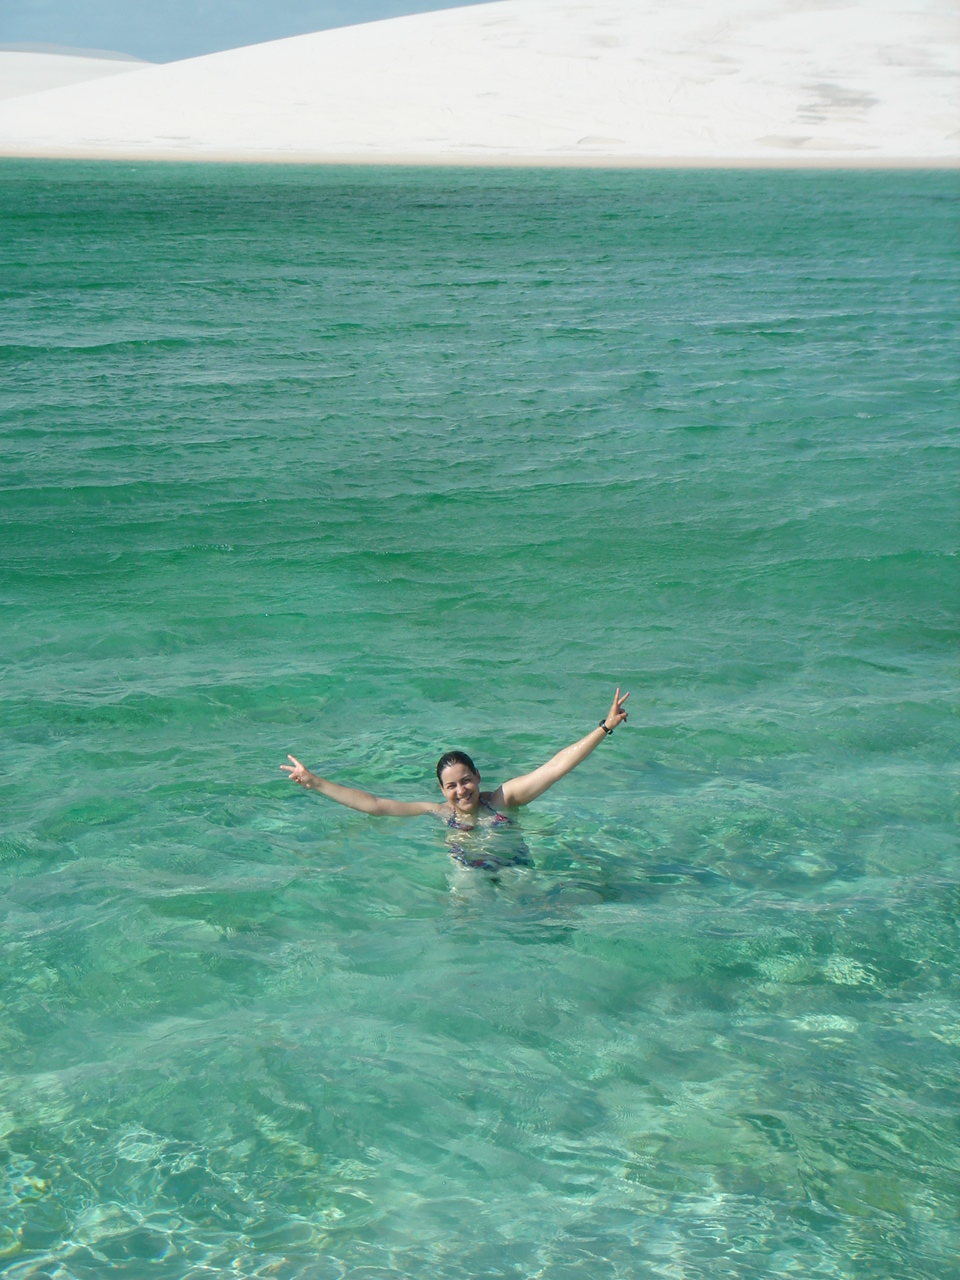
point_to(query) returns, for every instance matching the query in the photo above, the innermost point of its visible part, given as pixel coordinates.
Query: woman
(465, 806)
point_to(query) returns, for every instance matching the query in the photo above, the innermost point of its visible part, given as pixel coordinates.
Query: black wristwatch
(603, 725)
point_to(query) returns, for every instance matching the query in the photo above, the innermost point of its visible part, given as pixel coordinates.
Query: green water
(363, 465)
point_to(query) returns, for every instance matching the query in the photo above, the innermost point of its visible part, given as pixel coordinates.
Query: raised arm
(520, 791)
(354, 798)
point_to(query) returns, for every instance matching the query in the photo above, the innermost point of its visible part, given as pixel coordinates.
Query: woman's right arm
(354, 798)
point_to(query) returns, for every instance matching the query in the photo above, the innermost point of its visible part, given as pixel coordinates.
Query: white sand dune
(24, 71)
(546, 82)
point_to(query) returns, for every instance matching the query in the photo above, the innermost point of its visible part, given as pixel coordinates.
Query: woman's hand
(299, 773)
(616, 715)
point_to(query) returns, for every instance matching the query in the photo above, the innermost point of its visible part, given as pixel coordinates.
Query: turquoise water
(363, 465)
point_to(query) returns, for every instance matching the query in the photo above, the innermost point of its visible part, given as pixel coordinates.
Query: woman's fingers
(617, 711)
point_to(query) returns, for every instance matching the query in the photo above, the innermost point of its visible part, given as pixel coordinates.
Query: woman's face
(461, 788)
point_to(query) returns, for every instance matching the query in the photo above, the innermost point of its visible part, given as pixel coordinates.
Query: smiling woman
(459, 780)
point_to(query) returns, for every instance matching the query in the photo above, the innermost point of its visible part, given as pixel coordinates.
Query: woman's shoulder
(493, 799)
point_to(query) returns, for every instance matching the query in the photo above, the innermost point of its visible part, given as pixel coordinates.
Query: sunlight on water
(364, 465)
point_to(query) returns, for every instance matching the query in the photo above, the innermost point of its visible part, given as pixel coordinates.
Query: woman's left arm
(520, 791)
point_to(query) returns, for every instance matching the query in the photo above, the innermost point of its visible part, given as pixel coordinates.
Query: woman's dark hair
(455, 757)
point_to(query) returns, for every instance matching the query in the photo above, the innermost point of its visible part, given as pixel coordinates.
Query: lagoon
(367, 464)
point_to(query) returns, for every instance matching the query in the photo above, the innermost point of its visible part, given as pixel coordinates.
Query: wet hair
(455, 757)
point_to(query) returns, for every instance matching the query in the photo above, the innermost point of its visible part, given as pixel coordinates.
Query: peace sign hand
(298, 772)
(616, 715)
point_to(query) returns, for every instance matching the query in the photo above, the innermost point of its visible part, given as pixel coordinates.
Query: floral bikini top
(499, 819)
(474, 850)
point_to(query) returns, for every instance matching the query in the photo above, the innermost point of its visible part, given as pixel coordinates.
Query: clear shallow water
(364, 465)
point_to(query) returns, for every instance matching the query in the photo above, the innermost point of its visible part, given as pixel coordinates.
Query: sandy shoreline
(546, 83)
(811, 163)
